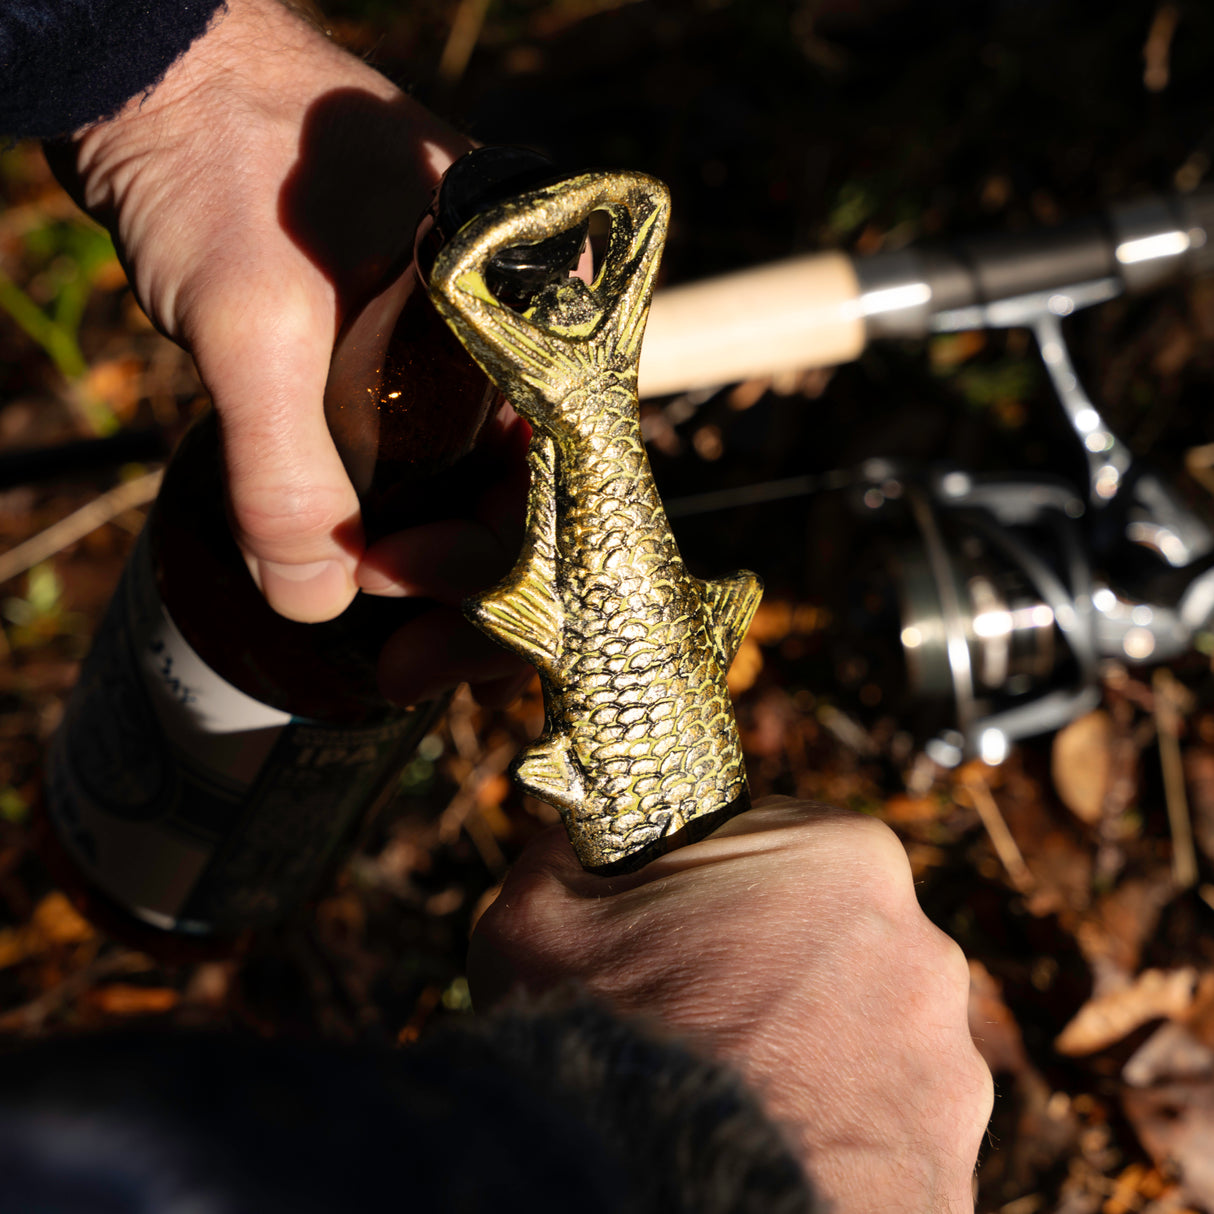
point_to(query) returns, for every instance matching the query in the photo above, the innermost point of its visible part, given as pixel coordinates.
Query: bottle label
(193, 805)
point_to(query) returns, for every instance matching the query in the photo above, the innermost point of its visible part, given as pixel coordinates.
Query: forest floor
(1078, 875)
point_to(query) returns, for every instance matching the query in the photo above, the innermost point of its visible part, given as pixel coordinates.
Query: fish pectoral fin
(524, 615)
(731, 603)
(547, 770)
(523, 611)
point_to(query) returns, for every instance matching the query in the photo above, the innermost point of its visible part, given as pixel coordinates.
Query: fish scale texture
(647, 706)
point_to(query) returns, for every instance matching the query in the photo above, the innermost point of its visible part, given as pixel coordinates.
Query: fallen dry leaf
(1175, 1123)
(125, 999)
(775, 620)
(1037, 1123)
(55, 922)
(1137, 1182)
(1112, 935)
(992, 1025)
(1081, 764)
(904, 809)
(1153, 995)
(1169, 1054)
(60, 922)
(494, 790)
(1199, 779)
(1200, 1020)
(119, 383)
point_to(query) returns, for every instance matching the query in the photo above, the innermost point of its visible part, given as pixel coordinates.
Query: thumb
(264, 357)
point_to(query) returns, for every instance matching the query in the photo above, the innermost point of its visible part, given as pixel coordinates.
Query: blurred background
(1077, 874)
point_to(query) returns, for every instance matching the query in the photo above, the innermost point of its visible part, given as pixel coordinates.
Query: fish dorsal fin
(730, 605)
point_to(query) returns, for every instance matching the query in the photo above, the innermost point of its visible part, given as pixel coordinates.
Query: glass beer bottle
(215, 757)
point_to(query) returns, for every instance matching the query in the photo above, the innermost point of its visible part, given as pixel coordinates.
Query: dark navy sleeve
(65, 63)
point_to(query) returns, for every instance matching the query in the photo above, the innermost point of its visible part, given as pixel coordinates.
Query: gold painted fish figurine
(640, 749)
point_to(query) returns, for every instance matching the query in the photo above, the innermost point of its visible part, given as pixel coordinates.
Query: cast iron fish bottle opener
(640, 749)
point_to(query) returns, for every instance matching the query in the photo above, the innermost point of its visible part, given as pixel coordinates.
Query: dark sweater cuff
(66, 63)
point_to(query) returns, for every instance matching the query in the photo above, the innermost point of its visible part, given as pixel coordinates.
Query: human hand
(262, 189)
(790, 944)
(447, 561)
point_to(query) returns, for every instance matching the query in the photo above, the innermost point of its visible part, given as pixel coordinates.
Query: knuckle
(539, 874)
(971, 1092)
(983, 1089)
(876, 847)
(533, 911)
(884, 844)
(952, 964)
(273, 514)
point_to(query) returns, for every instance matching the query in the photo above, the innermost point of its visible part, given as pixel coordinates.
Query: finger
(497, 693)
(503, 504)
(438, 651)
(263, 356)
(517, 942)
(445, 561)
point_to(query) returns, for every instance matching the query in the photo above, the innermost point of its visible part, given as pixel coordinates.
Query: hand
(256, 195)
(446, 562)
(790, 944)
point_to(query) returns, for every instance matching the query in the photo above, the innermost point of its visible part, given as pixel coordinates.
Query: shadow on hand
(352, 201)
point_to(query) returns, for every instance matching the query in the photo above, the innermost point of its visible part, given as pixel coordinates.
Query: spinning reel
(1011, 592)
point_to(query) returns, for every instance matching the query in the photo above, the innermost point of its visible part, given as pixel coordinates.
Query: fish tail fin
(546, 770)
(731, 603)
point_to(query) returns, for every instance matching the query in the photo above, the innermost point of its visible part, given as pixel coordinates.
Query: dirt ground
(1078, 875)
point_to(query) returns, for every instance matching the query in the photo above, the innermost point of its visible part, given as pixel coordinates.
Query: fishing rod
(1010, 590)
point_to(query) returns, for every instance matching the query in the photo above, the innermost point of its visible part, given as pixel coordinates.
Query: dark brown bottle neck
(404, 402)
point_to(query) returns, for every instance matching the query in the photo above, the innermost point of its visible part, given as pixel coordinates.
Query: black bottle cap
(478, 180)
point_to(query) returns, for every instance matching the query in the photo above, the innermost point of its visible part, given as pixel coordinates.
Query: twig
(464, 801)
(485, 842)
(461, 40)
(427, 1001)
(1199, 464)
(76, 526)
(1167, 727)
(33, 1015)
(1005, 846)
(60, 345)
(473, 768)
(462, 727)
(1157, 50)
